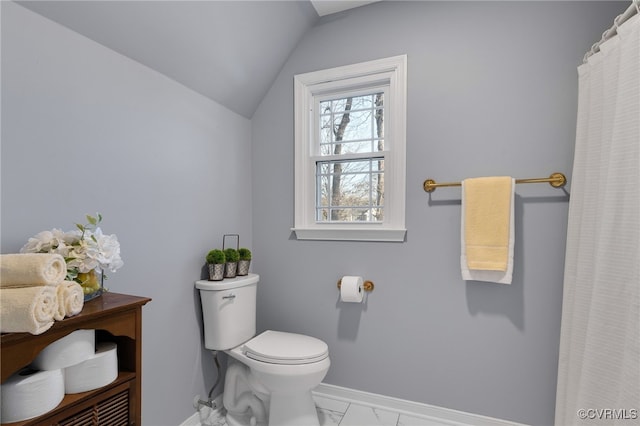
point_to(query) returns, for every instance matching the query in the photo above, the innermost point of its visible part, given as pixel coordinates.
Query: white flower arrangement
(84, 249)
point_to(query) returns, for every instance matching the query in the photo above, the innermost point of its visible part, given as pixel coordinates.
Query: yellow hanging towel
(487, 212)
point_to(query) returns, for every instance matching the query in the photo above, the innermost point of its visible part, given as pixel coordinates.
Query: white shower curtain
(598, 371)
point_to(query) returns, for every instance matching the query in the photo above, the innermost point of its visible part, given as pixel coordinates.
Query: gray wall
(85, 129)
(492, 91)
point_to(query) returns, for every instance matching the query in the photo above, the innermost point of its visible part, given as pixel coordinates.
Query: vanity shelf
(115, 317)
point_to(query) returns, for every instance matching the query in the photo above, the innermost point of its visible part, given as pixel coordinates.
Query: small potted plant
(231, 265)
(216, 261)
(244, 255)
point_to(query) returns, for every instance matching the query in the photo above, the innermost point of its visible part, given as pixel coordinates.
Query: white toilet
(273, 376)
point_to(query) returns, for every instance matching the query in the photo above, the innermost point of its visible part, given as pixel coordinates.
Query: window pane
(379, 133)
(322, 191)
(357, 126)
(350, 191)
(322, 215)
(356, 120)
(362, 102)
(326, 131)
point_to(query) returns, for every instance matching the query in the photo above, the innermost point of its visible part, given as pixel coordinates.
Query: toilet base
(284, 410)
(234, 419)
(293, 409)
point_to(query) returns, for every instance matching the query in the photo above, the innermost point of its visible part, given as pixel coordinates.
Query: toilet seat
(278, 347)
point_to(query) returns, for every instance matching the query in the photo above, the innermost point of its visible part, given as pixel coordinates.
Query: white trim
(351, 233)
(442, 415)
(193, 420)
(391, 72)
(362, 69)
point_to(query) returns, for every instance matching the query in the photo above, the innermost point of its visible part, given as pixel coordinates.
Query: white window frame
(308, 87)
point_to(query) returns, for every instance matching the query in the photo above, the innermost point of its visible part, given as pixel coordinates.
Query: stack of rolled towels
(34, 293)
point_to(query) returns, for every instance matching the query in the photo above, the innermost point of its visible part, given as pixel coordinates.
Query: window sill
(338, 233)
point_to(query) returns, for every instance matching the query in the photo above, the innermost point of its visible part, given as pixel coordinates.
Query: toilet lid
(278, 347)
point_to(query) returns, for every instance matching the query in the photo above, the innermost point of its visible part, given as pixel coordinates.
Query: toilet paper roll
(351, 289)
(97, 371)
(72, 349)
(31, 393)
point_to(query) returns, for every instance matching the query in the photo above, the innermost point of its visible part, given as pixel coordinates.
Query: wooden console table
(115, 317)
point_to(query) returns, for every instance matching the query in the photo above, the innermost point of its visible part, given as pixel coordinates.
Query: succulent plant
(231, 254)
(216, 256)
(244, 253)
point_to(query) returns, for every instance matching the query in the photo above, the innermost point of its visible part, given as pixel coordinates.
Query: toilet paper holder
(367, 285)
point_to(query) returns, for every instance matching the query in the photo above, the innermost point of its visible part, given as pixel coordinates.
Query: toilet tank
(228, 311)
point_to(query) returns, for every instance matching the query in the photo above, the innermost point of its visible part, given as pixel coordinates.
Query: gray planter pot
(230, 270)
(243, 267)
(216, 271)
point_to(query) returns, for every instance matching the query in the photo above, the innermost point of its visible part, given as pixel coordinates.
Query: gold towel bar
(367, 285)
(557, 180)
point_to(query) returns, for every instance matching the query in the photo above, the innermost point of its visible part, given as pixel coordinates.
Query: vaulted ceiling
(229, 51)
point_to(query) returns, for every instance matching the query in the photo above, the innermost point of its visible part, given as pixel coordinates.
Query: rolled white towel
(31, 269)
(70, 300)
(27, 309)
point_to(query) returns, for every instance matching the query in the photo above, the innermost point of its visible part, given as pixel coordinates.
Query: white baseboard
(194, 420)
(445, 415)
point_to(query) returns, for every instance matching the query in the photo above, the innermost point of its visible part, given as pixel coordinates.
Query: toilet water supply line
(198, 403)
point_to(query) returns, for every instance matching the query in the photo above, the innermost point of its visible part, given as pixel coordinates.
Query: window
(350, 152)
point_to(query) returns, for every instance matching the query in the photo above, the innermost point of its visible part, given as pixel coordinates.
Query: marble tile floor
(345, 407)
(335, 412)
(340, 412)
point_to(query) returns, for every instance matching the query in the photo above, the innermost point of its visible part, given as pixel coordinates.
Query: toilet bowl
(271, 380)
(288, 366)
